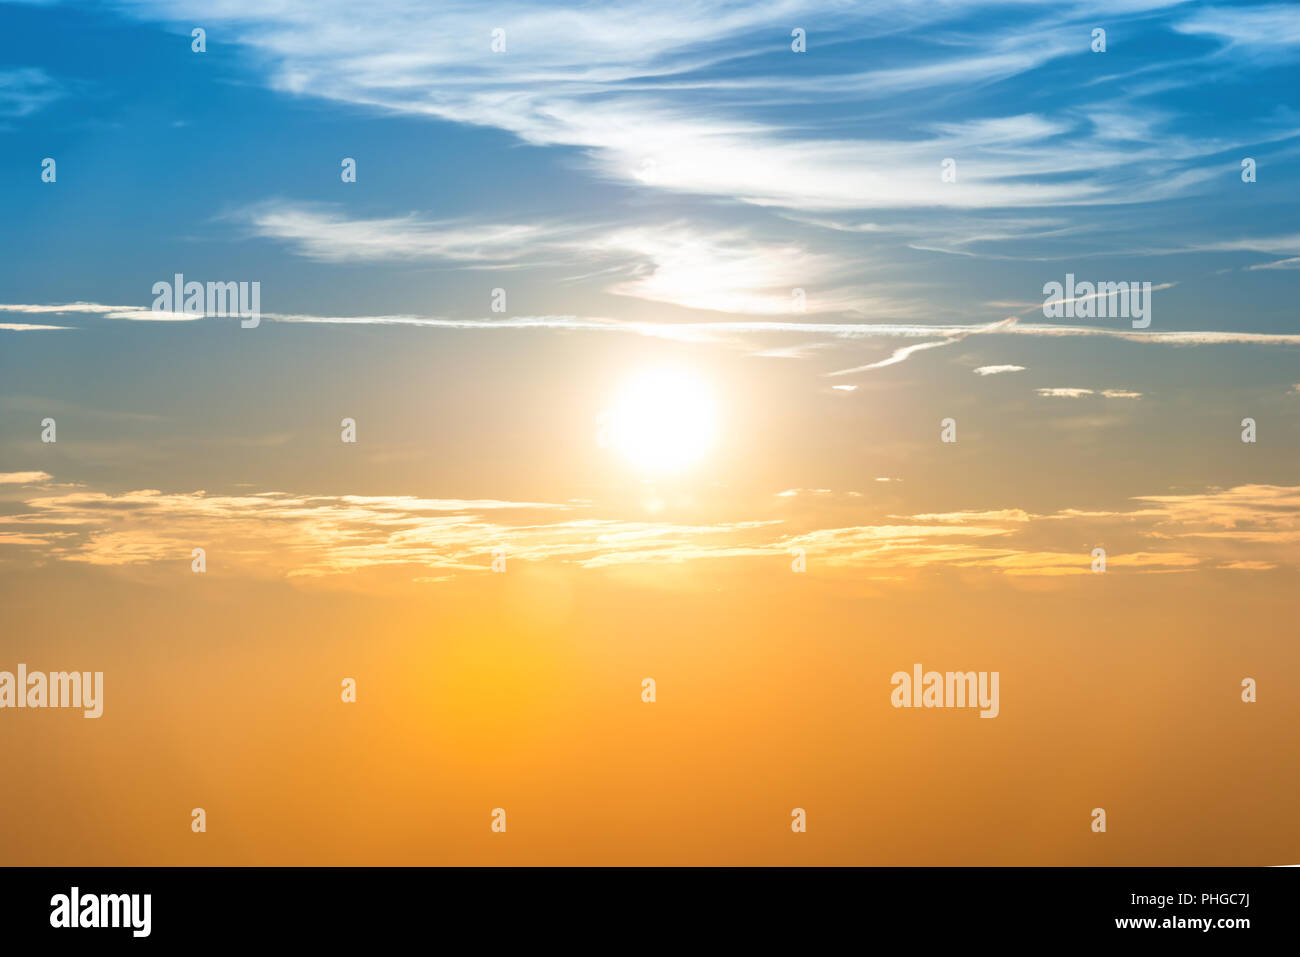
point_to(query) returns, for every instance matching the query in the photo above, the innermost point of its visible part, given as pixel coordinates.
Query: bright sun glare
(663, 420)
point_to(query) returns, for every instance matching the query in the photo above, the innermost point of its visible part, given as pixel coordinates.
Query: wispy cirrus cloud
(1267, 27)
(1063, 392)
(25, 91)
(1071, 392)
(325, 235)
(1292, 263)
(721, 269)
(723, 332)
(619, 81)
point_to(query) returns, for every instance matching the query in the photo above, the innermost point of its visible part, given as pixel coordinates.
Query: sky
(654, 302)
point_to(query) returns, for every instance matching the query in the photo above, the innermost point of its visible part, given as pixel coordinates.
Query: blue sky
(654, 183)
(573, 162)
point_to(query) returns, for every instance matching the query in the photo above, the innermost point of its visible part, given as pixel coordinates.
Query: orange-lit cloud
(294, 536)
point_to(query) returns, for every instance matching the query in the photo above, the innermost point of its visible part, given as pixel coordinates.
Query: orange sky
(522, 691)
(653, 329)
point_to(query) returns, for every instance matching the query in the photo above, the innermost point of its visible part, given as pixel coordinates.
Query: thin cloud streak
(721, 331)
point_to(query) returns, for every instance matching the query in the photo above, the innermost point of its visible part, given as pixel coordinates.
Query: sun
(663, 420)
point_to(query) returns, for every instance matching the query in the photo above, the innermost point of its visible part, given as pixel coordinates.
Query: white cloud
(25, 91)
(1292, 263)
(721, 331)
(724, 270)
(326, 236)
(69, 307)
(1263, 27)
(1064, 392)
(618, 81)
(1070, 392)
